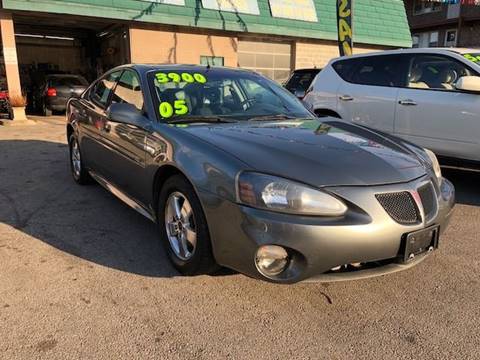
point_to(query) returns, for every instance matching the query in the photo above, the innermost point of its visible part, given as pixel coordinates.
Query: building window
(415, 41)
(426, 39)
(212, 60)
(433, 39)
(270, 59)
(451, 38)
(424, 7)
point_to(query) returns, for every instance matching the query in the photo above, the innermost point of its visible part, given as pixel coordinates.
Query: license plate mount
(419, 242)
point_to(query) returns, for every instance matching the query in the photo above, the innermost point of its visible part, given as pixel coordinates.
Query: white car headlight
(286, 196)
(435, 164)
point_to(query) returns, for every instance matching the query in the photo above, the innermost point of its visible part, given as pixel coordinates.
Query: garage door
(270, 59)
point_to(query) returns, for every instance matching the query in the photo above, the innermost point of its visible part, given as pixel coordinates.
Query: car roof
(308, 70)
(144, 68)
(63, 75)
(444, 51)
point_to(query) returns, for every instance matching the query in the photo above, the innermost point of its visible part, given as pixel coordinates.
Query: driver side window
(103, 88)
(128, 90)
(436, 72)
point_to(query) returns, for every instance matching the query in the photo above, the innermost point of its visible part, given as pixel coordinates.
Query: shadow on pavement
(466, 185)
(39, 197)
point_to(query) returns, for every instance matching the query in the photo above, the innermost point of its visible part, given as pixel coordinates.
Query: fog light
(271, 260)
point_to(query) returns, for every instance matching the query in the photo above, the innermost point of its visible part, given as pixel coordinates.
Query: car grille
(401, 207)
(427, 195)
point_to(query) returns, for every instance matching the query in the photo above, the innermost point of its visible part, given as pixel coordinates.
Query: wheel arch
(70, 131)
(326, 112)
(161, 175)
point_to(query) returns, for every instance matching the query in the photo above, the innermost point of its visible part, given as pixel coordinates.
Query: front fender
(207, 167)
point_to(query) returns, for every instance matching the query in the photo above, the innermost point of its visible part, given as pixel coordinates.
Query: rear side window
(68, 81)
(384, 70)
(103, 88)
(345, 68)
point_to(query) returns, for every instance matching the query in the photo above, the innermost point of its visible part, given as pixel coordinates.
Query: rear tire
(79, 173)
(46, 111)
(183, 228)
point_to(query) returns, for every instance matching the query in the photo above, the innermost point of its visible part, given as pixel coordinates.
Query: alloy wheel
(180, 226)
(76, 159)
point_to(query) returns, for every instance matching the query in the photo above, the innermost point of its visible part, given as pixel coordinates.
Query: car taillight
(52, 92)
(3, 95)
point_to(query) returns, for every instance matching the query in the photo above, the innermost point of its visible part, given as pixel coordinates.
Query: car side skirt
(134, 204)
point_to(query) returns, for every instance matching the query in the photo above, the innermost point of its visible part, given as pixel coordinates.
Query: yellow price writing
(163, 78)
(474, 58)
(167, 110)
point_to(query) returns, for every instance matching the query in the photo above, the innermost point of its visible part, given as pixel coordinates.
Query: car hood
(314, 152)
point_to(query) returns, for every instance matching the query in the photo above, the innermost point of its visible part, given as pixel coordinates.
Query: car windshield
(222, 94)
(301, 80)
(68, 81)
(474, 57)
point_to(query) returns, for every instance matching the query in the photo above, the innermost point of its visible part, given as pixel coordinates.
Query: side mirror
(125, 113)
(300, 93)
(468, 84)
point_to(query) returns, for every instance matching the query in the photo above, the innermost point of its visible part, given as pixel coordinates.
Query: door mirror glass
(468, 83)
(300, 93)
(125, 113)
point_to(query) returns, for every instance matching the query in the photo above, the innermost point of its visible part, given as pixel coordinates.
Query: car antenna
(208, 66)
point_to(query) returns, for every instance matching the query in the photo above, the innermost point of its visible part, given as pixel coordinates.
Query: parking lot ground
(84, 276)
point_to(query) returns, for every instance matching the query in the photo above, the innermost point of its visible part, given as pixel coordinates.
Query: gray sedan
(237, 173)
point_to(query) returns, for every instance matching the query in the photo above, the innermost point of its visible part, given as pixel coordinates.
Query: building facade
(436, 24)
(270, 36)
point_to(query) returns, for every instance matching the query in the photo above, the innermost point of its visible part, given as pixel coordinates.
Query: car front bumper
(366, 235)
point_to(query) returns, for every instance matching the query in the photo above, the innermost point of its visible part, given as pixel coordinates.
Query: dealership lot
(82, 275)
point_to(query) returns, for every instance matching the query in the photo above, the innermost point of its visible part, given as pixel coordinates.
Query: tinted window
(436, 72)
(128, 90)
(344, 68)
(103, 88)
(380, 71)
(301, 80)
(67, 81)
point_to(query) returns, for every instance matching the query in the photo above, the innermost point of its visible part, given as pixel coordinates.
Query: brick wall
(470, 35)
(156, 46)
(308, 55)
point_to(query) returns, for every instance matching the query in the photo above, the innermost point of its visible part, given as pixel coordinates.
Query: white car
(430, 97)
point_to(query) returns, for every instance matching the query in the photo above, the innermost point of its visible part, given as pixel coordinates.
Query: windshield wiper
(272, 117)
(200, 119)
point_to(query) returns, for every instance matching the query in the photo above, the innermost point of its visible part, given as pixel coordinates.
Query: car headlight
(286, 196)
(435, 164)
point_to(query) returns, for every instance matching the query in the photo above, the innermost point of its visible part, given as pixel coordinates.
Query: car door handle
(407, 102)
(346, 98)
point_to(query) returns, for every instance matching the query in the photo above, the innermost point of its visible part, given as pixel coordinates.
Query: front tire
(183, 228)
(79, 173)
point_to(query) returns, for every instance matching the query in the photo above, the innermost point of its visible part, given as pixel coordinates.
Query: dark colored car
(236, 172)
(6, 111)
(300, 81)
(54, 91)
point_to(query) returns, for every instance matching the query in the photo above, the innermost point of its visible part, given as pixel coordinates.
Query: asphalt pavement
(84, 276)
